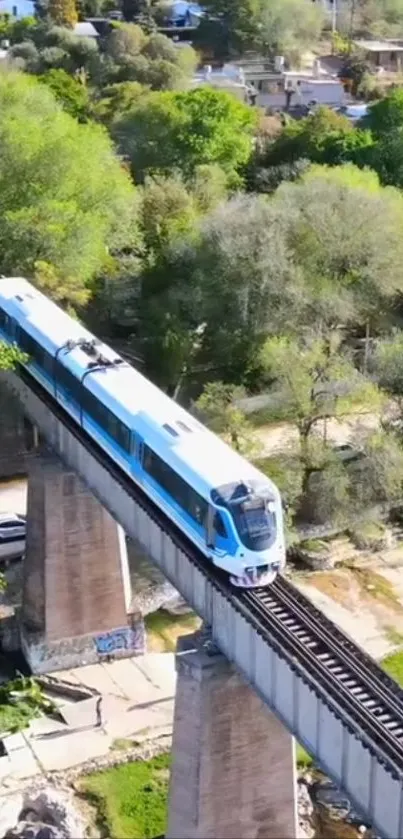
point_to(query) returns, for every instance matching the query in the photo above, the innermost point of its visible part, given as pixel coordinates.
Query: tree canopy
(63, 194)
(167, 131)
(273, 26)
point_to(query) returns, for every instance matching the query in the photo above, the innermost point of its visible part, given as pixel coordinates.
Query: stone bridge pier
(76, 583)
(233, 768)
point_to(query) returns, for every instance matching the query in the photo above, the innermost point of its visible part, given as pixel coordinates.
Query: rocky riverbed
(52, 807)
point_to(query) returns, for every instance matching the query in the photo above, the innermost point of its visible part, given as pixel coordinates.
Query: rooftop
(378, 46)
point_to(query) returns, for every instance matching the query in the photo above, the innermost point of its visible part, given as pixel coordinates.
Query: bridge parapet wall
(337, 742)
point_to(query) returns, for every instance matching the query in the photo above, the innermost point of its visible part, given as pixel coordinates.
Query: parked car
(12, 535)
(354, 112)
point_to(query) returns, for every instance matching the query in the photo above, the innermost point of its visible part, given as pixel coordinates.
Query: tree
(387, 114)
(71, 94)
(117, 99)
(345, 236)
(273, 26)
(315, 138)
(377, 478)
(386, 364)
(63, 12)
(150, 60)
(233, 275)
(386, 157)
(217, 406)
(125, 41)
(168, 131)
(64, 197)
(315, 382)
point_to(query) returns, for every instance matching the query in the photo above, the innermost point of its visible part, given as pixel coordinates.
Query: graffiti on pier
(125, 638)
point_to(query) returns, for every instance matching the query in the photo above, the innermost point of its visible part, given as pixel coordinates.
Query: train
(230, 510)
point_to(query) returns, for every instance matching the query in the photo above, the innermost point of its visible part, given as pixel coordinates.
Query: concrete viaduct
(241, 698)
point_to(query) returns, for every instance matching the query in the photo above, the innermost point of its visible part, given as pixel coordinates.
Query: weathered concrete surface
(233, 771)
(17, 437)
(137, 703)
(75, 575)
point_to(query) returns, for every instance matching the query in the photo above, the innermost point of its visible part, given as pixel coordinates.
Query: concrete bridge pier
(76, 588)
(233, 767)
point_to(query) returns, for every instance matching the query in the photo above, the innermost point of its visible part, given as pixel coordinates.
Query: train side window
(181, 492)
(3, 318)
(219, 526)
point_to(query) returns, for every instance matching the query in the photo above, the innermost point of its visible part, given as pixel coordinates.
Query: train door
(216, 534)
(137, 455)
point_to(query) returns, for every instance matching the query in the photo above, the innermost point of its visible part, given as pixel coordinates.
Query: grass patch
(304, 759)
(314, 546)
(121, 744)
(393, 664)
(163, 629)
(368, 535)
(131, 800)
(21, 700)
(270, 414)
(394, 636)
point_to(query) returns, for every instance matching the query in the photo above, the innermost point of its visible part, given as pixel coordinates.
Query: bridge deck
(340, 742)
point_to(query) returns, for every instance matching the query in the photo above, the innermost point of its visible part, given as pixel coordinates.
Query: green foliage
(63, 194)
(326, 493)
(304, 759)
(368, 535)
(217, 406)
(387, 364)
(322, 137)
(10, 356)
(117, 99)
(165, 131)
(151, 60)
(132, 798)
(71, 94)
(168, 211)
(21, 701)
(346, 240)
(286, 472)
(377, 478)
(314, 546)
(386, 157)
(393, 664)
(273, 27)
(62, 12)
(315, 381)
(387, 114)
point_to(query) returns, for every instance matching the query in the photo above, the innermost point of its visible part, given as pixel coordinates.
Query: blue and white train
(230, 510)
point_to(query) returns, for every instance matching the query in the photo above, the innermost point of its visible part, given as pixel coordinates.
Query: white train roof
(136, 400)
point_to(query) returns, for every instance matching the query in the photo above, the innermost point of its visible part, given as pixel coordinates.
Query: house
(182, 13)
(382, 55)
(85, 29)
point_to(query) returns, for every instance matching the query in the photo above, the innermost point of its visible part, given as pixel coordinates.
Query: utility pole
(352, 16)
(334, 16)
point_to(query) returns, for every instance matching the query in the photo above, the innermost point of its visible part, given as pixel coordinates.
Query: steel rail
(286, 615)
(310, 643)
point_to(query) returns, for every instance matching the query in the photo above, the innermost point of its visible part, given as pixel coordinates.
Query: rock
(327, 795)
(305, 811)
(34, 830)
(10, 811)
(56, 808)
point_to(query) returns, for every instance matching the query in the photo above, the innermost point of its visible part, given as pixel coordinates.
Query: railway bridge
(275, 667)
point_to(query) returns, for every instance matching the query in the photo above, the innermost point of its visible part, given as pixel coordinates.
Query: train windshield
(255, 522)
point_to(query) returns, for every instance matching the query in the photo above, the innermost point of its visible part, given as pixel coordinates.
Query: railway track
(290, 623)
(354, 679)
